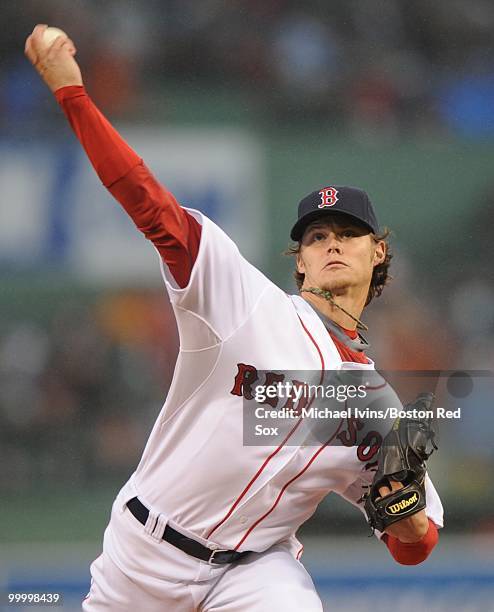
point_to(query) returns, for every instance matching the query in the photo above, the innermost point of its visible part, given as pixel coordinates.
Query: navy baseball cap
(350, 201)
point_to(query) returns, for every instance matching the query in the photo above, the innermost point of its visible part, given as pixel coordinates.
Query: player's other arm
(154, 210)
(411, 540)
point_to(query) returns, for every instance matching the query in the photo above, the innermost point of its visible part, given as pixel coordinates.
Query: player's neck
(352, 304)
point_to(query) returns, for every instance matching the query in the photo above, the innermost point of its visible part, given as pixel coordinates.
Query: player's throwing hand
(55, 62)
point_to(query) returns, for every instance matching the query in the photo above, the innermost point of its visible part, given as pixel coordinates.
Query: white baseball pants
(273, 580)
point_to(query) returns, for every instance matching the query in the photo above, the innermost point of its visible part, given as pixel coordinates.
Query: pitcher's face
(337, 254)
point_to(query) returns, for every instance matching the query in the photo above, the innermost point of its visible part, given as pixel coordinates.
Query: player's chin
(335, 282)
(335, 287)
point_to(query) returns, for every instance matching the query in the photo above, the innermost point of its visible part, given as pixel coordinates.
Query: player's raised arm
(154, 210)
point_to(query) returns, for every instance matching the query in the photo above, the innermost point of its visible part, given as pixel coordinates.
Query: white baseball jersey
(195, 472)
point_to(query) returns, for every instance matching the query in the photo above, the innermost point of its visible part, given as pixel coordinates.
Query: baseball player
(206, 523)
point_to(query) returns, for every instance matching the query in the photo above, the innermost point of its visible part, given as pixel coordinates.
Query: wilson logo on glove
(403, 506)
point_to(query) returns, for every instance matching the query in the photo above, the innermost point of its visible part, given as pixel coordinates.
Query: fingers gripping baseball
(54, 61)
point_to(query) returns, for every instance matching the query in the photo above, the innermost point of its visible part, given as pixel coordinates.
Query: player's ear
(379, 253)
(300, 263)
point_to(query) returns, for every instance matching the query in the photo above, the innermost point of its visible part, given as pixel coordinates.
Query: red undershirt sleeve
(416, 552)
(154, 210)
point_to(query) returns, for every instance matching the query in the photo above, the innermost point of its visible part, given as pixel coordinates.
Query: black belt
(188, 545)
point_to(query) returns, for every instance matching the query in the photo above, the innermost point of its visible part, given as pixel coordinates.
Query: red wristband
(415, 552)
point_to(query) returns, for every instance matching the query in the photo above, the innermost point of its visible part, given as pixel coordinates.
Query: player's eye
(317, 236)
(349, 233)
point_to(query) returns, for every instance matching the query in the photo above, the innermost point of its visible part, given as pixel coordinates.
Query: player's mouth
(335, 264)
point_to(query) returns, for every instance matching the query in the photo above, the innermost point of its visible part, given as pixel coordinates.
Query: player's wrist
(410, 530)
(56, 83)
(69, 91)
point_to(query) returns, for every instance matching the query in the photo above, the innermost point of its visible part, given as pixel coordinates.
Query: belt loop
(159, 527)
(151, 523)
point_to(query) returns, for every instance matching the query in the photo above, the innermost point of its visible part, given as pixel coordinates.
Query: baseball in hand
(52, 33)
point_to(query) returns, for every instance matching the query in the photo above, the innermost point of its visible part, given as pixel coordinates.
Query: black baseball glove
(402, 458)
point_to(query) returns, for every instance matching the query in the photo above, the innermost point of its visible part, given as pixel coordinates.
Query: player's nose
(333, 242)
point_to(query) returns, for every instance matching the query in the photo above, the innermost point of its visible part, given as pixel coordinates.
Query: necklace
(327, 295)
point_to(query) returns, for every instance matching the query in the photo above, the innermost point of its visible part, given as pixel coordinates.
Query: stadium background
(241, 108)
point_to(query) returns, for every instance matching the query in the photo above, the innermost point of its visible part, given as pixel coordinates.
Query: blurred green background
(241, 108)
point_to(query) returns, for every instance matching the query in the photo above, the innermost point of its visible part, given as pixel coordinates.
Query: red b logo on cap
(329, 197)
